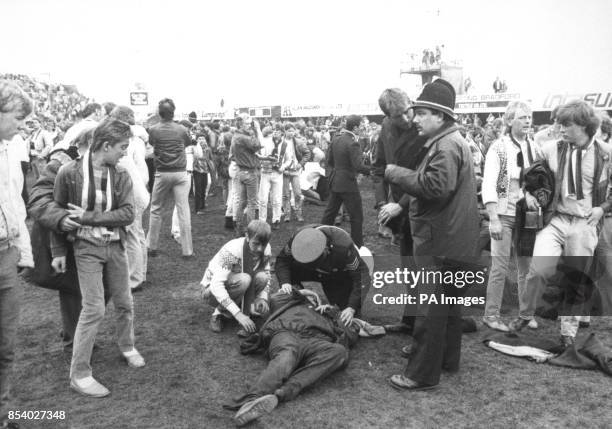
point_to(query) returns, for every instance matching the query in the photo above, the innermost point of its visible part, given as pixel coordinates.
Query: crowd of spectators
(56, 105)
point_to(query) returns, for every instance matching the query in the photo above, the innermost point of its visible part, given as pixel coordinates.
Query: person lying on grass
(237, 280)
(305, 341)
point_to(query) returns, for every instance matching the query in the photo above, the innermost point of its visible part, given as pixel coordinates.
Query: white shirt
(134, 163)
(75, 130)
(12, 207)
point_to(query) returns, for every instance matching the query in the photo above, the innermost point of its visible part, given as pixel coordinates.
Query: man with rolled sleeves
(344, 156)
(328, 255)
(444, 224)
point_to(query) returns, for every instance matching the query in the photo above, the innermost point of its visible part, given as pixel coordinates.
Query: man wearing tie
(582, 169)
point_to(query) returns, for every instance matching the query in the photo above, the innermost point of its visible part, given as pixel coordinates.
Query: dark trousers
(437, 338)
(297, 362)
(352, 203)
(200, 181)
(407, 259)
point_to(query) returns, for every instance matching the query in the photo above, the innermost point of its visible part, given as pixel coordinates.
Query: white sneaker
(88, 386)
(494, 322)
(533, 324)
(134, 359)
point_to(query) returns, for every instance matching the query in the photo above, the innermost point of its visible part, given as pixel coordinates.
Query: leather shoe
(134, 359)
(89, 387)
(400, 382)
(254, 409)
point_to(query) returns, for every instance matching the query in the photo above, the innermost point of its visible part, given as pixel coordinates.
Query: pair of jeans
(136, 247)
(576, 240)
(245, 194)
(291, 183)
(94, 262)
(169, 188)
(200, 182)
(9, 321)
(500, 264)
(352, 203)
(270, 186)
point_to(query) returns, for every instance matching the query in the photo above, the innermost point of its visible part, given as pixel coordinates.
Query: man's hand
(75, 212)
(59, 264)
(495, 228)
(347, 315)
(261, 306)
(388, 212)
(68, 224)
(595, 216)
(246, 322)
(323, 308)
(286, 288)
(532, 202)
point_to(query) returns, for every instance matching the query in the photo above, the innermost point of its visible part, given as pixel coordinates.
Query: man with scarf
(582, 196)
(98, 196)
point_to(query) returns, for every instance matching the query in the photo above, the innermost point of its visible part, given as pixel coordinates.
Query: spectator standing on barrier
(501, 189)
(172, 183)
(15, 248)
(245, 145)
(582, 168)
(442, 186)
(345, 159)
(41, 144)
(497, 85)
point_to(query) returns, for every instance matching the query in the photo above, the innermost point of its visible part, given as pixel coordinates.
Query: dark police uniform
(341, 273)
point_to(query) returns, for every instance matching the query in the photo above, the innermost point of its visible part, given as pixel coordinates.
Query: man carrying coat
(444, 223)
